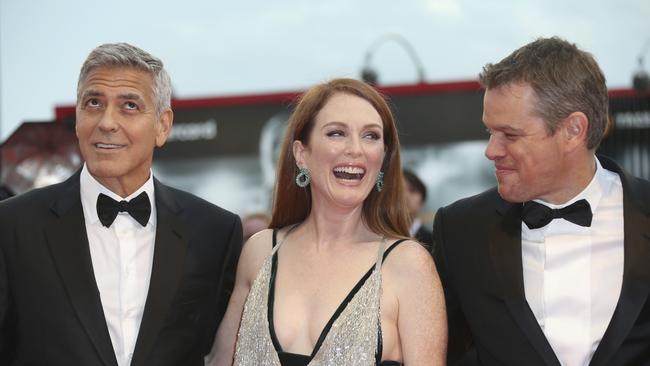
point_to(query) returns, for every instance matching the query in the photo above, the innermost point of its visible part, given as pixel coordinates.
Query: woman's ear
(299, 151)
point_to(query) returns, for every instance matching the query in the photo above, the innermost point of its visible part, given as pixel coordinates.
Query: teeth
(108, 146)
(349, 170)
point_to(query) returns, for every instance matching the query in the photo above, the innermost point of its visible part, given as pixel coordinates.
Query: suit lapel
(636, 272)
(169, 256)
(504, 243)
(68, 243)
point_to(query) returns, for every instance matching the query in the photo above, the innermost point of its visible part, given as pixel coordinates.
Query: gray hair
(126, 55)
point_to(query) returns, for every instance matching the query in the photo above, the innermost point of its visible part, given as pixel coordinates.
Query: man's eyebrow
(508, 128)
(505, 128)
(130, 96)
(96, 93)
(91, 93)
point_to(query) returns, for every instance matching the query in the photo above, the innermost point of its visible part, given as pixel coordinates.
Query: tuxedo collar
(166, 197)
(636, 273)
(504, 242)
(172, 236)
(68, 243)
(638, 194)
(67, 196)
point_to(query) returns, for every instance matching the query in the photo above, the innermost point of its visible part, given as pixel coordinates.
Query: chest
(309, 297)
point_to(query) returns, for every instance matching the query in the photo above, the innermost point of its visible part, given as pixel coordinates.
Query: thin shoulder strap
(275, 237)
(380, 340)
(382, 254)
(277, 245)
(380, 251)
(392, 246)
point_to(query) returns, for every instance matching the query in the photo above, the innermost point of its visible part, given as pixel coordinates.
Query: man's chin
(105, 170)
(508, 195)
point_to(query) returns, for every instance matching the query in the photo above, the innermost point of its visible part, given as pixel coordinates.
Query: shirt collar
(90, 189)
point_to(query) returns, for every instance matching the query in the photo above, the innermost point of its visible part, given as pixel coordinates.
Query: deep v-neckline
(328, 326)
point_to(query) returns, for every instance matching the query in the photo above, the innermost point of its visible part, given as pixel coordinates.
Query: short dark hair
(416, 182)
(564, 78)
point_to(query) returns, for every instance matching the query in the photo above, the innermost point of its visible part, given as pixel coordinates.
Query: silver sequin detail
(352, 340)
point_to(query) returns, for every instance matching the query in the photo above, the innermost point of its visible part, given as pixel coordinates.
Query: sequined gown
(352, 337)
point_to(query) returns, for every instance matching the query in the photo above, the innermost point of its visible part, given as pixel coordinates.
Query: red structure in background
(65, 112)
(427, 113)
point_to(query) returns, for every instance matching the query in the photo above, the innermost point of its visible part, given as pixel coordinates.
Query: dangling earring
(303, 178)
(380, 181)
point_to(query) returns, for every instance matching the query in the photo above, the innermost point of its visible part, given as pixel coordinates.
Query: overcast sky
(217, 48)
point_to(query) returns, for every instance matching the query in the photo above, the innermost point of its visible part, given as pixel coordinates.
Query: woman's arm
(255, 250)
(422, 319)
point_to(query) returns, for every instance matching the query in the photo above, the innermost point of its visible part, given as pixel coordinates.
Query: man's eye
(130, 106)
(93, 102)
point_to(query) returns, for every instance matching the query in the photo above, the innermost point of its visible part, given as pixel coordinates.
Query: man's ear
(576, 126)
(299, 151)
(164, 127)
(76, 120)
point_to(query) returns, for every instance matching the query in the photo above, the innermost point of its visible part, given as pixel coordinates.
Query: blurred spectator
(416, 195)
(255, 222)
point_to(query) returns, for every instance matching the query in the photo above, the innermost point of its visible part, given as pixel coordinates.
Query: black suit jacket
(50, 308)
(478, 255)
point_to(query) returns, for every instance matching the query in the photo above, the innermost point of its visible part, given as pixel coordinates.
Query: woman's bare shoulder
(410, 259)
(256, 249)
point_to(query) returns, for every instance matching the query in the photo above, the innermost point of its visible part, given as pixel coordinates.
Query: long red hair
(384, 212)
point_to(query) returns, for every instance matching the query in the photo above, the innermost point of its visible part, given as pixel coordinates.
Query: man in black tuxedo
(551, 266)
(112, 267)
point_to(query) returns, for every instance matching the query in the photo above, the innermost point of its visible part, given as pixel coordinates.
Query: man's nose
(494, 148)
(108, 121)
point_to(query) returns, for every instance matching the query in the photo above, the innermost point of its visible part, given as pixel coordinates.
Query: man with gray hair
(112, 267)
(551, 266)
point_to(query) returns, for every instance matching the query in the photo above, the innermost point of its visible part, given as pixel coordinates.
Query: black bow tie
(536, 215)
(139, 208)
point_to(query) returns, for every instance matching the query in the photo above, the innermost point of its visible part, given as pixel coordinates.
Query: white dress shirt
(573, 274)
(122, 257)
